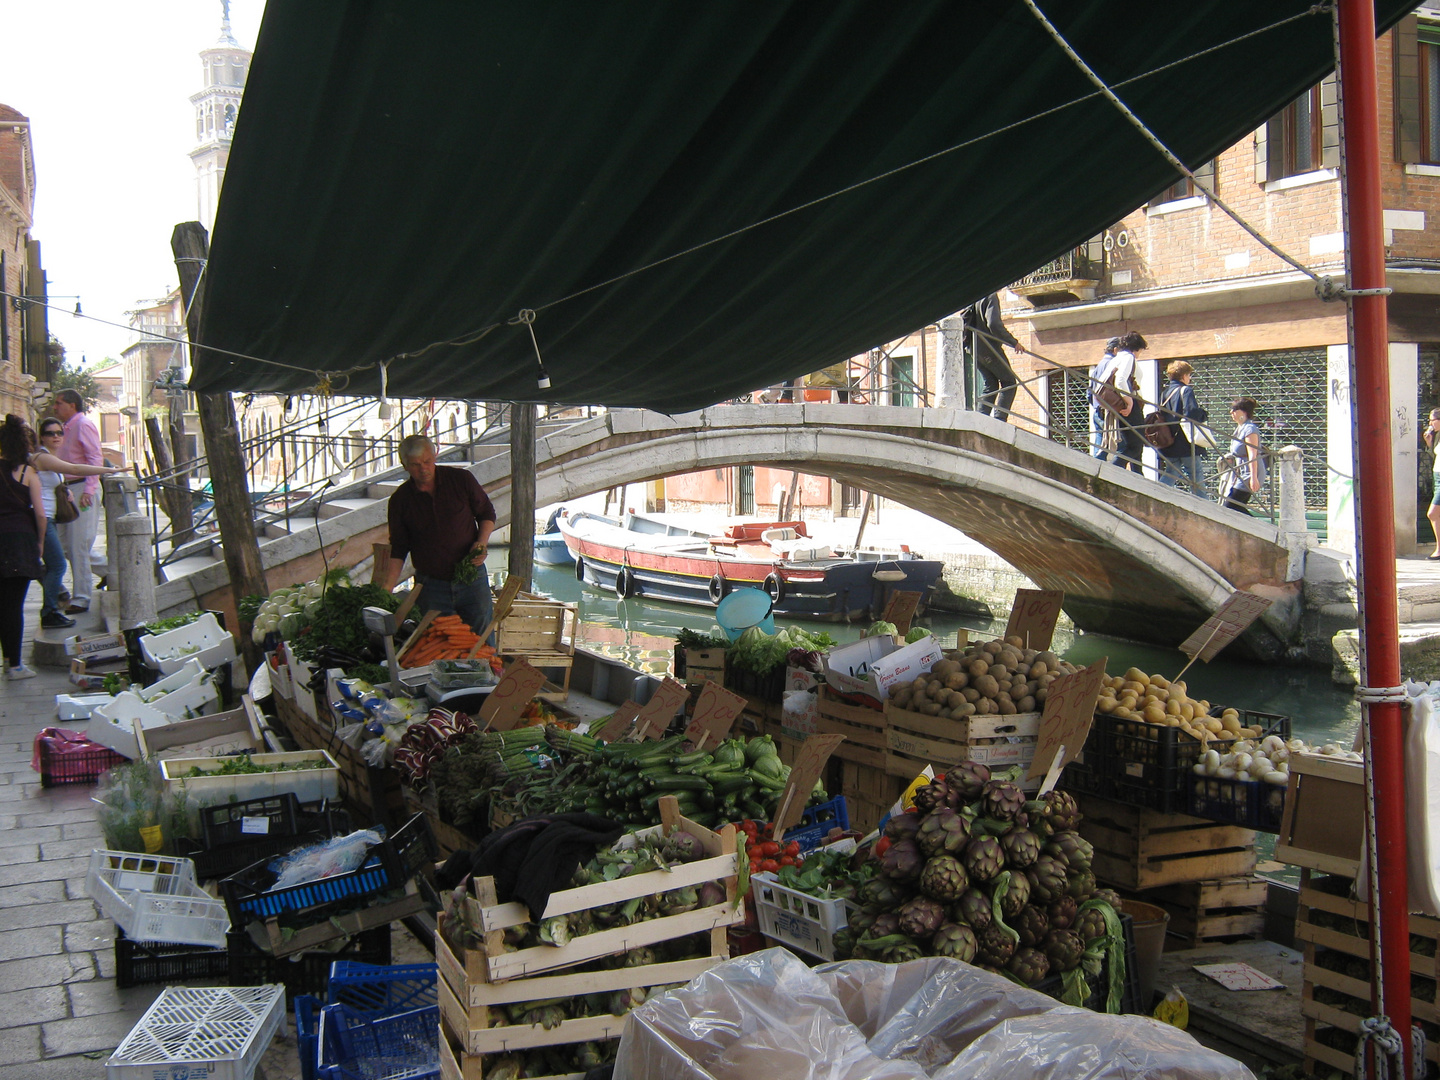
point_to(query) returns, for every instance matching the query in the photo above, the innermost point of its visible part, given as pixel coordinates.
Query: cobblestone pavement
(60, 1013)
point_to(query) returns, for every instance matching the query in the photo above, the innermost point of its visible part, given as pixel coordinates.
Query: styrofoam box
(218, 1033)
(211, 645)
(309, 785)
(188, 672)
(77, 706)
(872, 665)
(113, 724)
(155, 898)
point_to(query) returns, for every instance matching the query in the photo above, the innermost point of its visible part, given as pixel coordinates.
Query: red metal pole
(1375, 531)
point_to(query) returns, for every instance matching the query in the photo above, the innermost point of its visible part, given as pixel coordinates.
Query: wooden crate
(448, 838)
(1323, 827)
(1209, 912)
(705, 665)
(1137, 848)
(543, 633)
(1326, 923)
(372, 794)
(914, 740)
(863, 728)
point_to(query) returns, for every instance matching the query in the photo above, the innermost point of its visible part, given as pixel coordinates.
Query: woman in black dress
(22, 532)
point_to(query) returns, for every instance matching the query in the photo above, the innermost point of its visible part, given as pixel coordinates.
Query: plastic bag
(768, 1014)
(339, 855)
(138, 812)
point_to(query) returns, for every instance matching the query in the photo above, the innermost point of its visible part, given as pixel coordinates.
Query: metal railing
(1074, 265)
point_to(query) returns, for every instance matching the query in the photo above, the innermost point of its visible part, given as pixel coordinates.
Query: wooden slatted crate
(372, 794)
(863, 728)
(1211, 912)
(542, 632)
(1137, 849)
(1333, 934)
(914, 740)
(473, 982)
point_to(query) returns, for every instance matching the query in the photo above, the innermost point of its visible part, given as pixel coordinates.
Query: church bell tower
(226, 66)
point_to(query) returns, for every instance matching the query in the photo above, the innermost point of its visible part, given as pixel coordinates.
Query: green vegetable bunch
(693, 639)
(762, 653)
(336, 620)
(466, 572)
(174, 622)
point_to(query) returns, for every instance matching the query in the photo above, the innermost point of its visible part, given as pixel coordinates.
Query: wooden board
(1137, 848)
(1323, 827)
(448, 838)
(455, 1064)
(863, 728)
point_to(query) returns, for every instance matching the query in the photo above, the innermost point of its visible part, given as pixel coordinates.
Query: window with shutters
(1430, 101)
(1416, 66)
(1304, 137)
(1185, 188)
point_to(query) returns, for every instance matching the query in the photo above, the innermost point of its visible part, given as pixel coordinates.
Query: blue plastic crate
(383, 990)
(307, 1023)
(354, 1046)
(817, 821)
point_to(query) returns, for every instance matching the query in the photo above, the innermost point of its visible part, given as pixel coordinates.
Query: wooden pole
(161, 454)
(522, 492)
(864, 517)
(233, 509)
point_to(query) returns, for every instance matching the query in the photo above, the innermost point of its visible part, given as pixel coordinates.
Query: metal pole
(1375, 506)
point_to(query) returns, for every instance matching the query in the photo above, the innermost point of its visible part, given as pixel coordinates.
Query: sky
(106, 85)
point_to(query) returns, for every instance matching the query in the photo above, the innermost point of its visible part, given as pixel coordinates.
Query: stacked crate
(1137, 848)
(857, 766)
(474, 982)
(1212, 912)
(541, 632)
(1333, 932)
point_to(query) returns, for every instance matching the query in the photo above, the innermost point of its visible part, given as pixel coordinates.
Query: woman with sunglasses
(53, 471)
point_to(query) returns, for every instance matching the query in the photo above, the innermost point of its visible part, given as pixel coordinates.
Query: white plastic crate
(155, 898)
(215, 1033)
(202, 640)
(77, 706)
(797, 919)
(113, 724)
(183, 676)
(309, 785)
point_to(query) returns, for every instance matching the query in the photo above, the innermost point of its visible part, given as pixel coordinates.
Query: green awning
(408, 175)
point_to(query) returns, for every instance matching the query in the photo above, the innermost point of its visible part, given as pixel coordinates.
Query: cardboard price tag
(716, 711)
(1065, 722)
(619, 724)
(1033, 617)
(900, 610)
(1238, 612)
(517, 688)
(657, 713)
(809, 763)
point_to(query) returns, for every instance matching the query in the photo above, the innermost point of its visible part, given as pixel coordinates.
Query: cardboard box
(97, 647)
(797, 678)
(91, 674)
(1323, 827)
(871, 666)
(206, 736)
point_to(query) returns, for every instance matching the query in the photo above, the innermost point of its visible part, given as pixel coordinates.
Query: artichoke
(843, 942)
(955, 940)
(862, 920)
(983, 858)
(1080, 884)
(944, 831)
(1111, 897)
(930, 797)
(903, 826)
(1064, 948)
(1022, 847)
(903, 861)
(1047, 879)
(1076, 850)
(972, 909)
(1062, 913)
(966, 780)
(1063, 811)
(1002, 800)
(1029, 965)
(1090, 925)
(994, 947)
(1031, 924)
(943, 878)
(921, 917)
(1016, 896)
(893, 949)
(884, 893)
(886, 924)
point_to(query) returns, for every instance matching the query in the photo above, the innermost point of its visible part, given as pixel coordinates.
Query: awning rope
(1375, 1031)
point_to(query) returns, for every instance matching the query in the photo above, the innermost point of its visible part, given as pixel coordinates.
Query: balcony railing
(1073, 266)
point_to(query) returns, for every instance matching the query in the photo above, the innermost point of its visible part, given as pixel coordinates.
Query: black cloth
(19, 543)
(532, 858)
(12, 618)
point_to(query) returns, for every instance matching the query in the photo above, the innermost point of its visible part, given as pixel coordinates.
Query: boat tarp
(696, 200)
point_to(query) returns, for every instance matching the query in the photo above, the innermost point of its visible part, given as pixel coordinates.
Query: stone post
(1294, 533)
(133, 564)
(117, 498)
(950, 365)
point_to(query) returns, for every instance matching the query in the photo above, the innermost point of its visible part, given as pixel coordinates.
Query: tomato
(748, 827)
(769, 865)
(753, 853)
(881, 846)
(792, 848)
(787, 860)
(769, 849)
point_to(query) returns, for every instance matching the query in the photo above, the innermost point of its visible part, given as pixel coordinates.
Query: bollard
(1294, 532)
(117, 499)
(133, 565)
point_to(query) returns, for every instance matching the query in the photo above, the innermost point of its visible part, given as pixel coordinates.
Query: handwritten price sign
(655, 717)
(516, 689)
(814, 752)
(619, 724)
(1065, 723)
(1238, 612)
(716, 711)
(900, 610)
(1033, 616)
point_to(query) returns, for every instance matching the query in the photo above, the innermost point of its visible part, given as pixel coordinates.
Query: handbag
(1111, 398)
(65, 509)
(1158, 432)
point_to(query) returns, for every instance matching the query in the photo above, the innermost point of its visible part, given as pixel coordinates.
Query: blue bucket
(743, 608)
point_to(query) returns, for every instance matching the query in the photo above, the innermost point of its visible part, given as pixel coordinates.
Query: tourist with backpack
(1180, 456)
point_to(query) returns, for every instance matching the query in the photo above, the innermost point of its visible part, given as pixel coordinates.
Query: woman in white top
(53, 471)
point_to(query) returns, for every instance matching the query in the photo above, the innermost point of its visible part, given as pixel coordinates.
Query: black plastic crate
(314, 822)
(1251, 804)
(143, 963)
(251, 819)
(250, 894)
(1086, 779)
(76, 767)
(302, 973)
(769, 687)
(1053, 986)
(1162, 790)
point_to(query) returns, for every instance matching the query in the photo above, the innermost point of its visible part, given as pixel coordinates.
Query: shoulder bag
(1110, 398)
(65, 509)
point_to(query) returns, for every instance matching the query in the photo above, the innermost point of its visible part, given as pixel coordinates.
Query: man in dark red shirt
(441, 518)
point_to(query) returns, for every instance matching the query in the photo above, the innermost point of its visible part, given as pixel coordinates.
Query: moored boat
(638, 555)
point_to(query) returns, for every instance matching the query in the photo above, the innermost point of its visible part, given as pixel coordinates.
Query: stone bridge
(1135, 559)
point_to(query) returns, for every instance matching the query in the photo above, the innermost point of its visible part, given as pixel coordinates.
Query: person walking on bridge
(1246, 468)
(442, 518)
(988, 336)
(1180, 461)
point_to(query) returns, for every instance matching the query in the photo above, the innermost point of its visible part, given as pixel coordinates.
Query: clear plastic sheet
(768, 1015)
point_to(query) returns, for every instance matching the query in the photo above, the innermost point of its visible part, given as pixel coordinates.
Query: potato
(1159, 681)
(985, 706)
(992, 647)
(1134, 674)
(1106, 705)
(1016, 640)
(970, 694)
(1231, 724)
(1041, 695)
(1007, 707)
(1172, 708)
(979, 666)
(957, 681)
(931, 709)
(1213, 725)
(963, 710)
(987, 686)
(1038, 669)
(1026, 704)
(1154, 714)
(943, 669)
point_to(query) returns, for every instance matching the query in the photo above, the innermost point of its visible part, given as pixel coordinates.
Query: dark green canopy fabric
(407, 175)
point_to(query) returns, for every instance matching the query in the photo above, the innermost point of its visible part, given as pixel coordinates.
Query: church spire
(226, 37)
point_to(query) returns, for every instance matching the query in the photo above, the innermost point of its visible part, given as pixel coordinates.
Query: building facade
(23, 326)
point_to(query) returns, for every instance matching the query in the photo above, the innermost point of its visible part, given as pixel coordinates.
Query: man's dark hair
(1132, 342)
(71, 397)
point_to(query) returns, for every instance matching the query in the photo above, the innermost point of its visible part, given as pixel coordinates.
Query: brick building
(23, 327)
